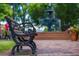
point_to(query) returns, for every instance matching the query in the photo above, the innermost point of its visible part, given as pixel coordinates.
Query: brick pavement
(54, 48)
(57, 48)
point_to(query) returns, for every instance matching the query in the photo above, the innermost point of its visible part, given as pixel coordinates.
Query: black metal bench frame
(20, 40)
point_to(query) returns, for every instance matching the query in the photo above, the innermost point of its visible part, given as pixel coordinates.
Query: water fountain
(53, 23)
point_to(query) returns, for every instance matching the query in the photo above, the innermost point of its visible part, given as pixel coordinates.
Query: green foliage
(76, 28)
(5, 9)
(46, 29)
(67, 12)
(22, 12)
(37, 11)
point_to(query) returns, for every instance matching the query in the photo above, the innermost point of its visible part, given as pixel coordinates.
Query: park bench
(53, 36)
(20, 37)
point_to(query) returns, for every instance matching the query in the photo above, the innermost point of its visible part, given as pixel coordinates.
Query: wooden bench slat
(52, 35)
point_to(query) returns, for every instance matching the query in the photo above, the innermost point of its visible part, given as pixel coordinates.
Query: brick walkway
(56, 48)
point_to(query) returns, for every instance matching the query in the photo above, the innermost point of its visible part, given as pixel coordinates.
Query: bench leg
(21, 47)
(18, 48)
(13, 50)
(32, 48)
(33, 44)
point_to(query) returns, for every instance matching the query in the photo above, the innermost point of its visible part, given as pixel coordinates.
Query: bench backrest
(13, 24)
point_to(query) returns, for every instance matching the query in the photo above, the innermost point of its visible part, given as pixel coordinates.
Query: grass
(6, 45)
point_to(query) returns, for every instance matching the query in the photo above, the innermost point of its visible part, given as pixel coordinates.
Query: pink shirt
(7, 26)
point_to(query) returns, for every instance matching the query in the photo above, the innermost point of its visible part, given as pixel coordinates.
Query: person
(6, 26)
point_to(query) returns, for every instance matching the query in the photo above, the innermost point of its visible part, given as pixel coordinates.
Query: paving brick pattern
(55, 48)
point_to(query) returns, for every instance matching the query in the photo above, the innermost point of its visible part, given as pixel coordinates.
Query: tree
(5, 9)
(68, 13)
(19, 12)
(37, 11)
